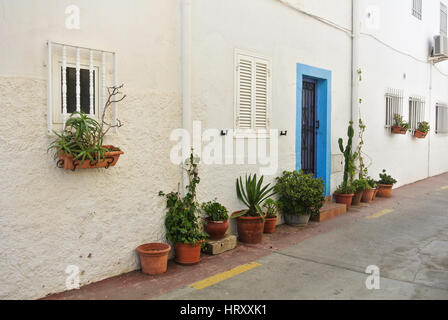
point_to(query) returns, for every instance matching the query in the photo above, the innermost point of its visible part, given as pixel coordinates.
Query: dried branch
(113, 97)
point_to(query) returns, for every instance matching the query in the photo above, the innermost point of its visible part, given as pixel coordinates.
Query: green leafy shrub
(423, 127)
(372, 182)
(181, 220)
(345, 189)
(252, 194)
(271, 207)
(299, 193)
(360, 185)
(386, 179)
(215, 211)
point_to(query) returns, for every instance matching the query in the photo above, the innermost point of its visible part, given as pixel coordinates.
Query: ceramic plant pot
(368, 195)
(420, 135)
(250, 229)
(344, 199)
(356, 201)
(399, 130)
(295, 220)
(154, 257)
(385, 190)
(269, 224)
(188, 254)
(216, 229)
(67, 162)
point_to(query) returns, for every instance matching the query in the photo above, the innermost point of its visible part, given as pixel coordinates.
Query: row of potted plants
(401, 127)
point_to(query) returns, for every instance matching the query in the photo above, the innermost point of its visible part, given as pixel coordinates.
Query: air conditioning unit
(440, 46)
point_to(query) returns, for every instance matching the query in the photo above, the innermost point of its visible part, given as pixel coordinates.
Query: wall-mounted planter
(420, 134)
(67, 162)
(399, 130)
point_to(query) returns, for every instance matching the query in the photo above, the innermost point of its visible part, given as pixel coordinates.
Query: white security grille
(441, 118)
(394, 105)
(416, 112)
(252, 92)
(417, 8)
(443, 20)
(78, 69)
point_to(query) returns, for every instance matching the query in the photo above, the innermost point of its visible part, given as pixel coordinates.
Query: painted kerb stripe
(224, 275)
(380, 214)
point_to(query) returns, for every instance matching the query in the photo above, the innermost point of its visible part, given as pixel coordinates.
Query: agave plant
(252, 194)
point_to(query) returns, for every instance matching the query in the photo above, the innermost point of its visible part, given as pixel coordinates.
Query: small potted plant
(400, 126)
(216, 222)
(250, 222)
(271, 208)
(300, 196)
(80, 144)
(360, 186)
(345, 192)
(370, 193)
(181, 222)
(422, 130)
(385, 185)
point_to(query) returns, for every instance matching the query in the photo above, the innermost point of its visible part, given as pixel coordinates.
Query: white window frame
(253, 132)
(394, 105)
(443, 19)
(441, 118)
(416, 112)
(417, 9)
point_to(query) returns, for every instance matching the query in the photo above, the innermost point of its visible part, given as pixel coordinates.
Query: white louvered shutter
(253, 90)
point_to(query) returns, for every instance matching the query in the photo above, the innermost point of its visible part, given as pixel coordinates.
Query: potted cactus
(385, 185)
(345, 192)
(422, 130)
(216, 223)
(400, 126)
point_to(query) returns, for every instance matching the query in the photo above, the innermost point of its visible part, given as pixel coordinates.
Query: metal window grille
(443, 19)
(417, 9)
(74, 54)
(394, 105)
(441, 118)
(416, 112)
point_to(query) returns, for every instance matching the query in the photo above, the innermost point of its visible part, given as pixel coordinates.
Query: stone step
(330, 210)
(214, 247)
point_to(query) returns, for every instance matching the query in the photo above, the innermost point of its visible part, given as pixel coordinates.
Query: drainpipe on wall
(429, 107)
(355, 60)
(185, 80)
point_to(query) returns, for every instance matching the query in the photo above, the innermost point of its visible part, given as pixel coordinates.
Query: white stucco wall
(96, 218)
(400, 62)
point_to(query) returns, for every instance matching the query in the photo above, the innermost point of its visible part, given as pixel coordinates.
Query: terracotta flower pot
(269, 224)
(368, 195)
(420, 135)
(356, 201)
(399, 130)
(250, 229)
(344, 199)
(375, 193)
(188, 254)
(216, 229)
(385, 190)
(67, 162)
(154, 257)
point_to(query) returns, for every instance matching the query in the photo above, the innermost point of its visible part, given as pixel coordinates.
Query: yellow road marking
(223, 276)
(380, 214)
(444, 188)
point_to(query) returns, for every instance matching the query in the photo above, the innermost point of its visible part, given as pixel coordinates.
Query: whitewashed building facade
(237, 66)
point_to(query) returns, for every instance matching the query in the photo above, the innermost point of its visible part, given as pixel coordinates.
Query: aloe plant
(252, 193)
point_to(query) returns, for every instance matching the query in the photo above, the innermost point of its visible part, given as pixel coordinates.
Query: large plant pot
(216, 229)
(356, 200)
(368, 195)
(420, 135)
(385, 190)
(154, 257)
(250, 229)
(188, 254)
(296, 220)
(67, 162)
(344, 199)
(399, 130)
(269, 224)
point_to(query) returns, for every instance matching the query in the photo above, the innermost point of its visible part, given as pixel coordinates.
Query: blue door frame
(323, 115)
